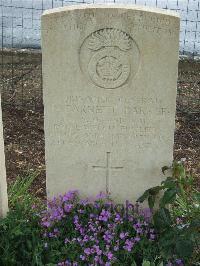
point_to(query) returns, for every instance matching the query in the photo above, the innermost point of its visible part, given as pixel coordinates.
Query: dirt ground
(23, 116)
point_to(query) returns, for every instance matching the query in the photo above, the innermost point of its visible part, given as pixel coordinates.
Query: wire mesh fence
(20, 56)
(20, 20)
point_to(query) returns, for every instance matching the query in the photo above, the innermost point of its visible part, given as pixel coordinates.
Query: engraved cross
(108, 167)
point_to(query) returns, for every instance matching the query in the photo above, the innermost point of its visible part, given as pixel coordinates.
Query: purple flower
(87, 251)
(137, 225)
(65, 263)
(129, 245)
(179, 262)
(152, 236)
(98, 234)
(130, 218)
(123, 235)
(98, 250)
(104, 215)
(70, 195)
(137, 239)
(96, 258)
(75, 218)
(146, 213)
(46, 224)
(84, 202)
(82, 257)
(169, 264)
(68, 207)
(81, 230)
(102, 195)
(86, 238)
(116, 248)
(81, 211)
(117, 217)
(107, 237)
(66, 241)
(110, 255)
(139, 230)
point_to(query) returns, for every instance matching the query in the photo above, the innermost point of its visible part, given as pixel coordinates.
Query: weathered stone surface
(3, 184)
(109, 76)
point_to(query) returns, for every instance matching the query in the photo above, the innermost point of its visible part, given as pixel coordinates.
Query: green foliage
(18, 191)
(20, 241)
(177, 219)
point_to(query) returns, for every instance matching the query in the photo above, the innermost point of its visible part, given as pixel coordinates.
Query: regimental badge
(109, 57)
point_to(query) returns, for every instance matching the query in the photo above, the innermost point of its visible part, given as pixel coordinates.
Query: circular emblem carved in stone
(109, 69)
(109, 57)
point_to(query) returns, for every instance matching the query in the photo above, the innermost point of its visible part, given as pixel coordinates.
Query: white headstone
(3, 184)
(109, 76)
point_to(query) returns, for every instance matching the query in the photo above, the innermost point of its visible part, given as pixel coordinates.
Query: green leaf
(146, 263)
(167, 242)
(29, 244)
(155, 190)
(144, 196)
(169, 182)
(18, 232)
(133, 263)
(168, 197)
(178, 170)
(184, 247)
(149, 193)
(151, 201)
(165, 168)
(162, 218)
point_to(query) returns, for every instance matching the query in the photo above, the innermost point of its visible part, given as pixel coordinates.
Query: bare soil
(23, 116)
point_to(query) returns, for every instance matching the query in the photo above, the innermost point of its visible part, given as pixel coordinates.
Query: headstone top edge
(160, 11)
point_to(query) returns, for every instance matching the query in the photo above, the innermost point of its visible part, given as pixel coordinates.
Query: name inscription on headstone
(110, 116)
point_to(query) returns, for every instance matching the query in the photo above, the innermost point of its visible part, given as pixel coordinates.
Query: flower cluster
(96, 232)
